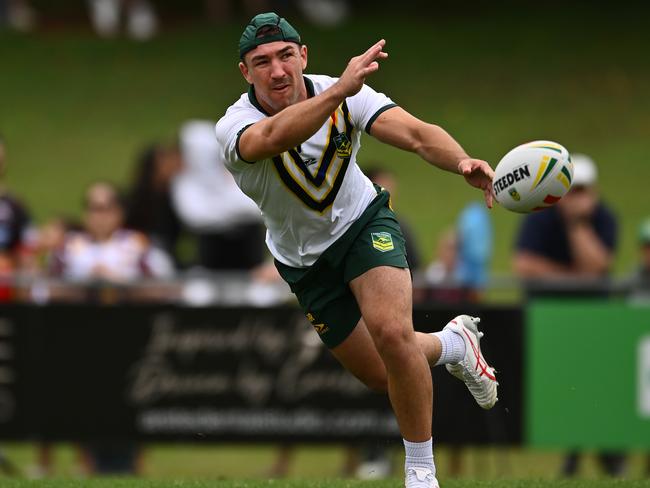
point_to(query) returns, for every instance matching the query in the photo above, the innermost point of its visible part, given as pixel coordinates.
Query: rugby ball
(533, 176)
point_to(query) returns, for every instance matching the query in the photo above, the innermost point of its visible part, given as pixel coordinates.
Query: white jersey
(310, 195)
(125, 256)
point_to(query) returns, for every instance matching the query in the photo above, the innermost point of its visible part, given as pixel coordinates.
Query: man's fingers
(371, 68)
(373, 51)
(488, 197)
(376, 47)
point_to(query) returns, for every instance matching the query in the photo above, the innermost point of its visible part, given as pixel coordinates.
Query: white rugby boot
(420, 478)
(473, 370)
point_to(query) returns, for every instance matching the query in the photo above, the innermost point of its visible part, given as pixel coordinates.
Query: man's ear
(245, 73)
(303, 56)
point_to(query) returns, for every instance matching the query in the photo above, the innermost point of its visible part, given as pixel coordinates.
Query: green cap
(265, 28)
(644, 231)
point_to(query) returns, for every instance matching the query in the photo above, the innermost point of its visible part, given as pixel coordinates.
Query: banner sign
(227, 374)
(588, 377)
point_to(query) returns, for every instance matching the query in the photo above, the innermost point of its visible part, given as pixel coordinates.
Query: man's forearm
(528, 265)
(590, 255)
(400, 129)
(291, 126)
(438, 148)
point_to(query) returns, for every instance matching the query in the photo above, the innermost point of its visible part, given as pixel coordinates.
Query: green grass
(74, 108)
(395, 483)
(253, 462)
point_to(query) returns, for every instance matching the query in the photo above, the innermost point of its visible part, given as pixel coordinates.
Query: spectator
(474, 250)
(209, 203)
(105, 250)
(574, 239)
(463, 256)
(16, 233)
(149, 204)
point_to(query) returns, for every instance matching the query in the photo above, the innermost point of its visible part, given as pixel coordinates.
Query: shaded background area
(74, 108)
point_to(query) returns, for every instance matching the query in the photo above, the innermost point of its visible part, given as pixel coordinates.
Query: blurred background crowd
(153, 217)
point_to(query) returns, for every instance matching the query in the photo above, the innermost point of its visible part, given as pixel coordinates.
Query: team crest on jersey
(343, 145)
(382, 241)
(514, 194)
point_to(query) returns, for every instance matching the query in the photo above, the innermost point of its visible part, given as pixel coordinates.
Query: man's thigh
(385, 297)
(358, 354)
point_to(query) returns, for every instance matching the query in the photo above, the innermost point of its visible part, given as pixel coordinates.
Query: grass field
(74, 108)
(135, 483)
(163, 462)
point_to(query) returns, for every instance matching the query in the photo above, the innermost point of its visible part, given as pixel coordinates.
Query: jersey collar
(309, 85)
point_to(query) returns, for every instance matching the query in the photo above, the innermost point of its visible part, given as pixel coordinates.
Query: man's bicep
(231, 132)
(255, 144)
(397, 127)
(242, 143)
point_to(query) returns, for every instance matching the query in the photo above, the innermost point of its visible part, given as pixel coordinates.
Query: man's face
(275, 69)
(579, 202)
(103, 213)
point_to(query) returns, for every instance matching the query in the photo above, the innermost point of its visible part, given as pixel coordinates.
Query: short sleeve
(229, 130)
(366, 106)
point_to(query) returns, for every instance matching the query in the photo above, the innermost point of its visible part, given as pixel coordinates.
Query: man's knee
(392, 336)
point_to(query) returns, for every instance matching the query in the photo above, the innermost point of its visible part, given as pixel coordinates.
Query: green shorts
(323, 290)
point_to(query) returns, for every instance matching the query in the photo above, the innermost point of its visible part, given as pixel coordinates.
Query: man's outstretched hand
(354, 76)
(479, 174)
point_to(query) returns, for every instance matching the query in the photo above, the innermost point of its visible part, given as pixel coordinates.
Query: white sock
(419, 455)
(453, 347)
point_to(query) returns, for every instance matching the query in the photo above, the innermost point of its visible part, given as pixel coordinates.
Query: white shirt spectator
(126, 256)
(205, 194)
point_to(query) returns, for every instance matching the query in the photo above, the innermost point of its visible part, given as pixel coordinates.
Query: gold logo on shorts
(320, 328)
(382, 241)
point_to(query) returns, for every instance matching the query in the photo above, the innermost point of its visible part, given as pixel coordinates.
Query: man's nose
(277, 70)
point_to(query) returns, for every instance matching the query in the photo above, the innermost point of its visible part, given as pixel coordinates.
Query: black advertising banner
(218, 374)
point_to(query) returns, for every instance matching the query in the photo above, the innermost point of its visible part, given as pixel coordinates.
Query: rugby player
(291, 142)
